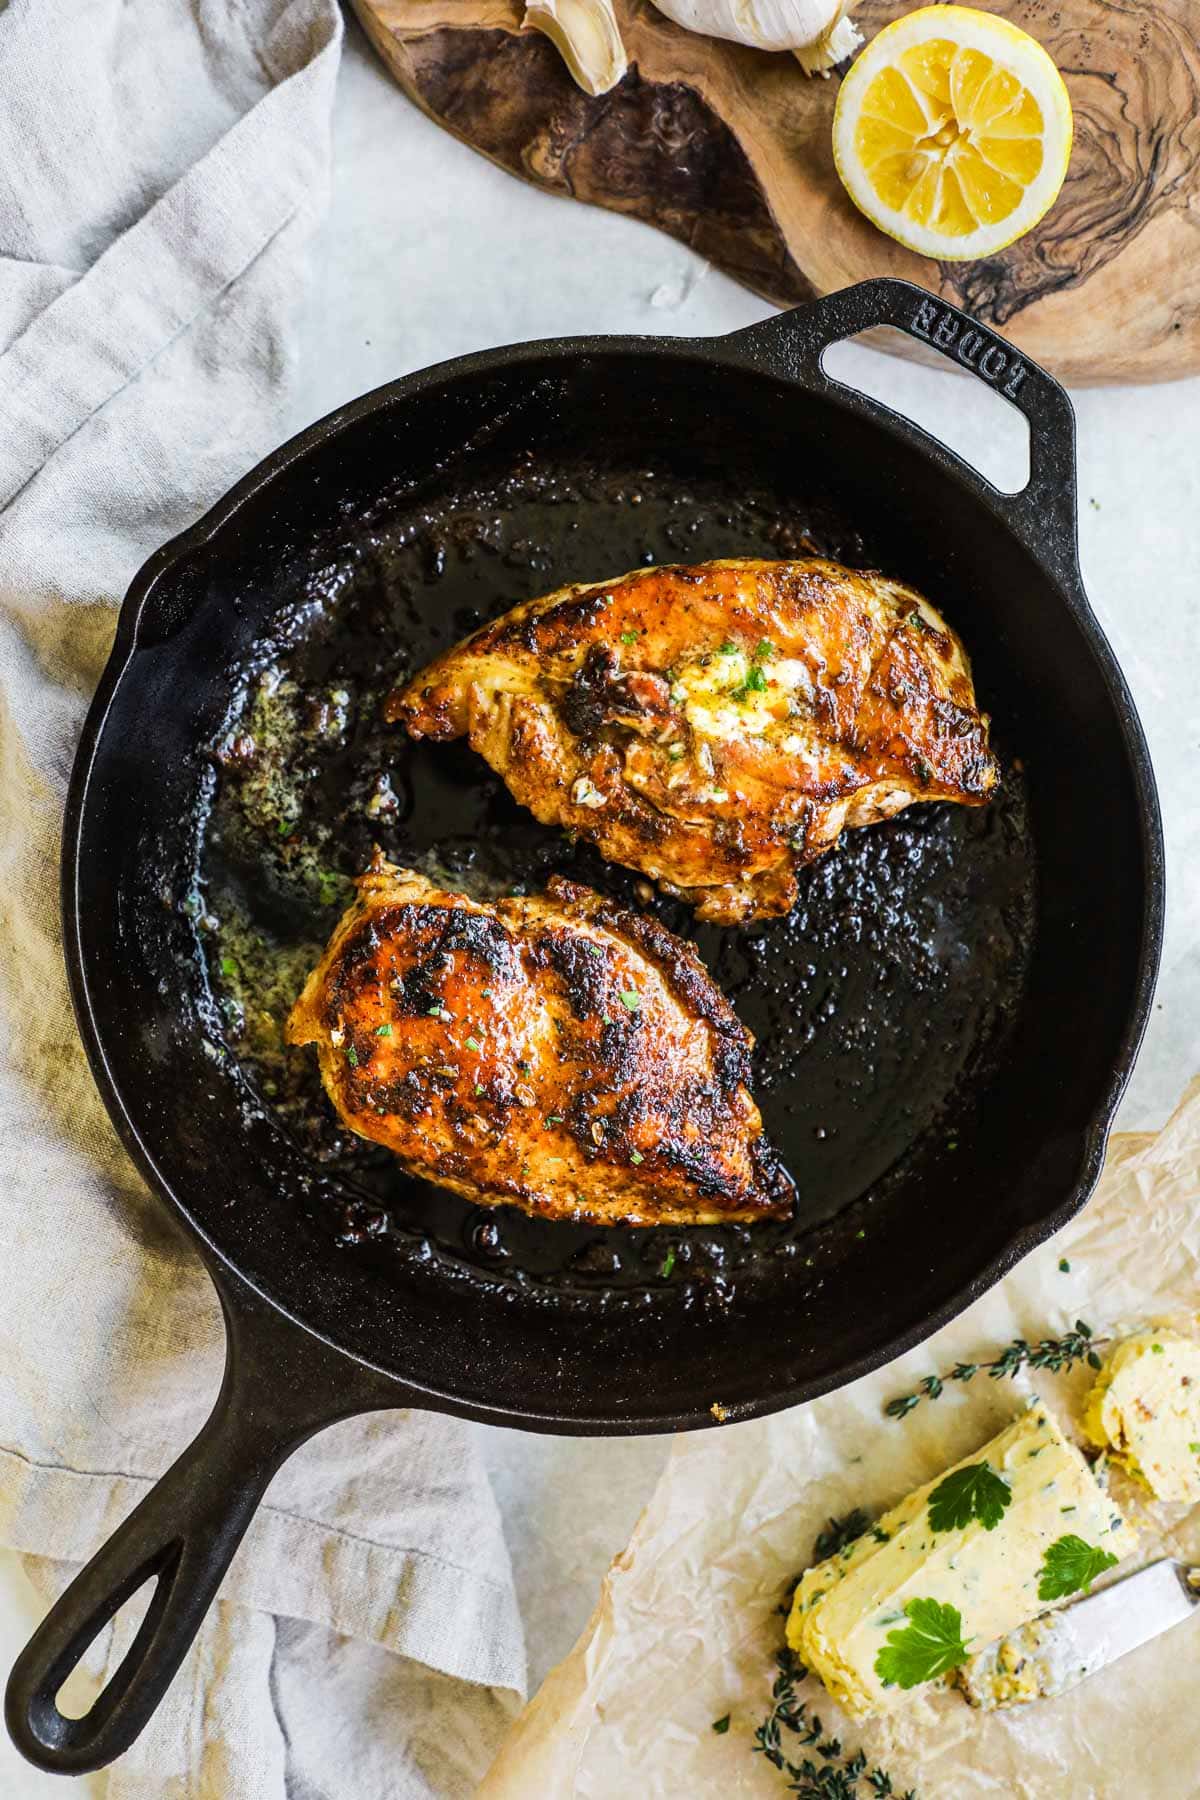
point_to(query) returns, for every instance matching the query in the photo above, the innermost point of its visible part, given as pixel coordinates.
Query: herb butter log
(716, 727)
(963, 1561)
(1145, 1410)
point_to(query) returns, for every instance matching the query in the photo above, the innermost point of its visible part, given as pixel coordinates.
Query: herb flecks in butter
(1144, 1409)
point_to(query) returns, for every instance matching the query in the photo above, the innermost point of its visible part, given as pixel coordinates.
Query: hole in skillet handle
(182, 1536)
(280, 1386)
(968, 417)
(792, 345)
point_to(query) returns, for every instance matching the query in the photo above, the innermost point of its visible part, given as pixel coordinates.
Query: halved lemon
(953, 132)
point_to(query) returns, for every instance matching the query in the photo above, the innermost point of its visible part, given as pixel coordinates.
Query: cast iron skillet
(317, 1332)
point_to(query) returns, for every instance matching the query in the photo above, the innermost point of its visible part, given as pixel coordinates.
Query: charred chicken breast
(554, 1052)
(718, 726)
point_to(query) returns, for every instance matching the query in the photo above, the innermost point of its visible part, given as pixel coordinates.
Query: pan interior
(879, 1006)
(908, 1062)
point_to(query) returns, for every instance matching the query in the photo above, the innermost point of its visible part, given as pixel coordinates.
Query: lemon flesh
(953, 132)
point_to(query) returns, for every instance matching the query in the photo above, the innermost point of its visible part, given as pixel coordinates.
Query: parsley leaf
(975, 1492)
(1070, 1566)
(668, 1262)
(755, 683)
(929, 1645)
(631, 999)
(721, 1726)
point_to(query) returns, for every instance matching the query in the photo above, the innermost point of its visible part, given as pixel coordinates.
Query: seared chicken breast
(716, 727)
(553, 1052)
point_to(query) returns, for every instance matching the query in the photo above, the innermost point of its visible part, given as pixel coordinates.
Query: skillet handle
(792, 344)
(280, 1386)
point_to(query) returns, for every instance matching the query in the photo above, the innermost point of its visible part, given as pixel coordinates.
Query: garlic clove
(586, 36)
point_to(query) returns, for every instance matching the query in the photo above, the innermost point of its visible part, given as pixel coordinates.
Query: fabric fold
(164, 165)
(153, 280)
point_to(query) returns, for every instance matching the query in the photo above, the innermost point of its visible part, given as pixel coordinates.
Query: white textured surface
(430, 252)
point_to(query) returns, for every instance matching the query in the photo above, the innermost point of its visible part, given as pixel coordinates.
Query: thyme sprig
(1055, 1354)
(830, 1774)
(837, 1534)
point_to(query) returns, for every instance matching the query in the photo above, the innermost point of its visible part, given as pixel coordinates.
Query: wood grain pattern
(728, 149)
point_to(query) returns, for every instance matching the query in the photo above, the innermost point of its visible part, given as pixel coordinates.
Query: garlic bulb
(817, 30)
(586, 35)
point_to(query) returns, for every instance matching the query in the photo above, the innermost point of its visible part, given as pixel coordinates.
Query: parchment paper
(686, 1628)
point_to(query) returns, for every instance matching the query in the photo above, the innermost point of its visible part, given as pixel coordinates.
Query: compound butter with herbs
(1145, 1410)
(961, 1562)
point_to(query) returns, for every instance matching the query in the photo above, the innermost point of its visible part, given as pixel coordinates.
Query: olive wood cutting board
(728, 149)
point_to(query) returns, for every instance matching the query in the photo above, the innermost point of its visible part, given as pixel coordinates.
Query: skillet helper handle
(278, 1390)
(792, 343)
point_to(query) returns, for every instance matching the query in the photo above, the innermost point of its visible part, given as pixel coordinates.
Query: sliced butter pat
(1145, 1410)
(845, 1607)
(717, 703)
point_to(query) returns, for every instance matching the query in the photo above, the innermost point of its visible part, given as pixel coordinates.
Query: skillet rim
(743, 350)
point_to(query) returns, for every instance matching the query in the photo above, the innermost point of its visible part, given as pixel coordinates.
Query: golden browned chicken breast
(718, 726)
(556, 1053)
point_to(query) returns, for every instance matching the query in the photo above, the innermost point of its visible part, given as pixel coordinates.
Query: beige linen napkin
(163, 164)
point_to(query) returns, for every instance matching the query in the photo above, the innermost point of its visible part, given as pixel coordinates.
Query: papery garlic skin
(800, 25)
(832, 47)
(586, 36)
